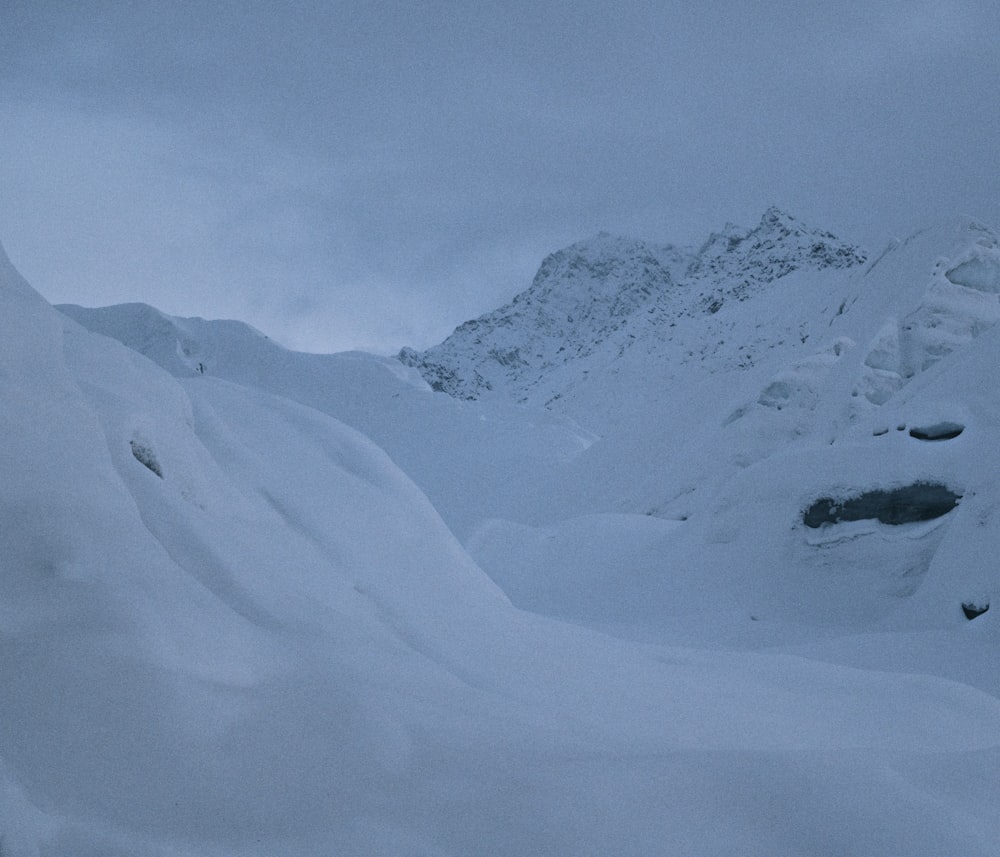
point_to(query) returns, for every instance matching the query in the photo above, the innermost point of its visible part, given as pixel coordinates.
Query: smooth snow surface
(255, 602)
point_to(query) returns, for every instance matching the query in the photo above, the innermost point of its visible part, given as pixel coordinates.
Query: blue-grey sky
(369, 175)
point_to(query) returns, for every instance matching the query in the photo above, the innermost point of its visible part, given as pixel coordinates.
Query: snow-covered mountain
(787, 374)
(715, 578)
(593, 302)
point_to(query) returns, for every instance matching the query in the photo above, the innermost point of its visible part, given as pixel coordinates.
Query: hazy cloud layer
(369, 175)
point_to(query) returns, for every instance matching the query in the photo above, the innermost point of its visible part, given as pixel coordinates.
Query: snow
(351, 615)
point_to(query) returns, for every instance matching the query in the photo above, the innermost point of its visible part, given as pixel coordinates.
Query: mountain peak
(610, 292)
(608, 263)
(775, 217)
(778, 245)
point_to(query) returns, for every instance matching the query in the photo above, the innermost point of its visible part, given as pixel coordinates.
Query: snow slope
(231, 625)
(451, 448)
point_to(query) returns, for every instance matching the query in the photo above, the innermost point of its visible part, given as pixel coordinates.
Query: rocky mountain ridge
(608, 294)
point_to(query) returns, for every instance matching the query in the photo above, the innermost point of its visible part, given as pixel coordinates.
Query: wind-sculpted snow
(231, 625)
(950, 314)
(450, 448)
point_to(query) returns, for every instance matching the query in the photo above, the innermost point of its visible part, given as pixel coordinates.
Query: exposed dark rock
(938, 431)
(146, 457)
(972, 609)
(921, 501)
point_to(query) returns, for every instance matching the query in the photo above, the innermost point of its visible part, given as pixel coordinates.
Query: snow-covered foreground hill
(231, 624)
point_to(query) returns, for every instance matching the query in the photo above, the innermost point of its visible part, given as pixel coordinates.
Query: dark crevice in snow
(921, 501)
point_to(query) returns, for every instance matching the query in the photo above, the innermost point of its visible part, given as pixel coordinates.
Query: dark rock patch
(146, 457)
(921, 501)
(938, 431)
(972, 609)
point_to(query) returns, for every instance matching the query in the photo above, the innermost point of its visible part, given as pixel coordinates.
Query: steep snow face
(957, 305)
(592, 302)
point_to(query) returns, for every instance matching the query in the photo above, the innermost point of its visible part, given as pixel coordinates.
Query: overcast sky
(369, 175)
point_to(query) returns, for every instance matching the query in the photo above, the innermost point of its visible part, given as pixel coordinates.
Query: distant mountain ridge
(607, 294)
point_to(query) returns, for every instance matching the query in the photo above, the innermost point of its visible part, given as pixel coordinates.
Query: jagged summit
(609, 293)
(778, 245)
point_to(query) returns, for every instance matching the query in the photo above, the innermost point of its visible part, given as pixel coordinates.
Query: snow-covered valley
(683, 551)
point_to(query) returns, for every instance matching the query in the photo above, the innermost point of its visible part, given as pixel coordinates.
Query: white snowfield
(699, 588)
